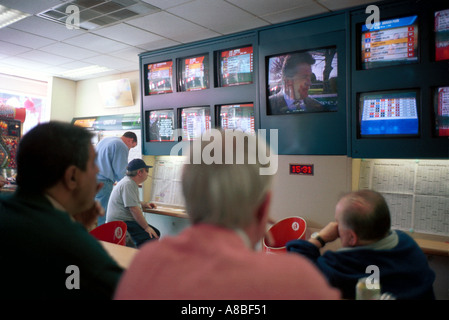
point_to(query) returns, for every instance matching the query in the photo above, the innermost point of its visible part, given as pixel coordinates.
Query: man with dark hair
(46, 253)
(296, 80)
(363, 226)
(112, 159)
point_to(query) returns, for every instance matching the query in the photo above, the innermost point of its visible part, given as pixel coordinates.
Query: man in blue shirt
(112, 159)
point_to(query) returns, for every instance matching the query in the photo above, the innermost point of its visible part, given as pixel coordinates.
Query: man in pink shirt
(215, 259)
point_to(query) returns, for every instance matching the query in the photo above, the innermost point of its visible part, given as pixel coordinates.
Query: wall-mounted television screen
(237, 117)
(193, 73)
(390, 42)
(236, 67)
(161, 125)
(302, 82)
(442, 35)
(388, 114)
(441, 106)
(194, 122)
(159, 77)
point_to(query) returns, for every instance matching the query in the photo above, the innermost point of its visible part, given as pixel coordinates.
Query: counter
(432, 245)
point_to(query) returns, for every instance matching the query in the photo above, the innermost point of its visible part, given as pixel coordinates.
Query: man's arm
(140, 219)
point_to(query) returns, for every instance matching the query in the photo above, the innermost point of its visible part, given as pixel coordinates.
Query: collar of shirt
(389, 242)
(244, 237)
(57, 205)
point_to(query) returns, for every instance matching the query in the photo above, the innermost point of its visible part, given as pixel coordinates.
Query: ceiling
(36, 47)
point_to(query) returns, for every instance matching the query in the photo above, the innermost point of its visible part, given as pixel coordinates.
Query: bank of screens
(390, 42)
(388, 114)
(161, 125)
(236, 67)
(160, 77)
(442, 35)
(303, 81)
(194, 122)
(237, 117)
(193, 73)
(441, 106)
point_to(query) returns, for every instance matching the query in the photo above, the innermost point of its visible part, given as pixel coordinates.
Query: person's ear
(71, 177)
(264, 209)
(353, 238)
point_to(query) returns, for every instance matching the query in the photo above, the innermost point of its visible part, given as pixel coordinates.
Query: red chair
(113, 232)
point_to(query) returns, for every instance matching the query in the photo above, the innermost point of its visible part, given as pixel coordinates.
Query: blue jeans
(138, 235)
(103, 197)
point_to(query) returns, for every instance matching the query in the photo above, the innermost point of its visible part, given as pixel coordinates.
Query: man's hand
(89, 217)
(330, 232)
(151, 232)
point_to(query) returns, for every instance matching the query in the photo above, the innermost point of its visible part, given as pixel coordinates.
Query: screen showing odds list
(389, 114)
(390, 42)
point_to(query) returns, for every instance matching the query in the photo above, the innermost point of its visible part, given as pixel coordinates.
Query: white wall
(310, 197)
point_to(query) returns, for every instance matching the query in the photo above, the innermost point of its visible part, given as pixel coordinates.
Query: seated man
(363, 225)
(125, 205)
(46, 253)
(228, 205)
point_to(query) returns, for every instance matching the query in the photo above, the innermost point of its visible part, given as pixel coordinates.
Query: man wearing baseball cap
(125, 205)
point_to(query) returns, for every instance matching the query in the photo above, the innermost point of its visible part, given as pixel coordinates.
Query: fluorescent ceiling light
(84, 71)
(9, 16)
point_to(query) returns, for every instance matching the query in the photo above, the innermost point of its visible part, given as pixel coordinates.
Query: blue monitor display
(390, 42)
(388, 114)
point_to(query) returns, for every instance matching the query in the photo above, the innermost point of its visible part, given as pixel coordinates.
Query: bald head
(366, 213)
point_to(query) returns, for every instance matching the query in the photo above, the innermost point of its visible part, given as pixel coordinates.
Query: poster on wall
(116, 93)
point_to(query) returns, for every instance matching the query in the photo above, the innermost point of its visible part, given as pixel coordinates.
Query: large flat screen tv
(161, 125)
(388, 114)
(194, 121)
(237, 117)
(193, 73)
(236, 67)
(302, 82)
(159, 77)
(389, 42)
(442, 35)
(441, 107)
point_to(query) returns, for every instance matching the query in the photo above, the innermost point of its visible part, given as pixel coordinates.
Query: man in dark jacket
(45, 253)
(363, 226)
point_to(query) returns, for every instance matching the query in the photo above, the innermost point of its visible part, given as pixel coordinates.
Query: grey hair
(225, 194)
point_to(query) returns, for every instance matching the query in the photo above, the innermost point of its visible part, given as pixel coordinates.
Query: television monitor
(442, 35)
(302, 82)
(159, 77)
(389, 42)
(237, 117)
(194, 122)
(389, 114)
(236, 67)
(161, 125)
(193, 73)
(441, 107)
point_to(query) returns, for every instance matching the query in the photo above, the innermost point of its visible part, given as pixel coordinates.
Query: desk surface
(121, 254)
(169, 211)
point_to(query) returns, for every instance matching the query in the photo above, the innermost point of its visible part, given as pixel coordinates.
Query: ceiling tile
(262, 8)
(165, 4)
(95, 43)
(120, 32)
(217, 15)
(67, 50)
(172, 27)
(335, 5)
(44, 57)
(30, 6)
(23, 38)
(12, 49)
(46, 28)
(295, 13)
